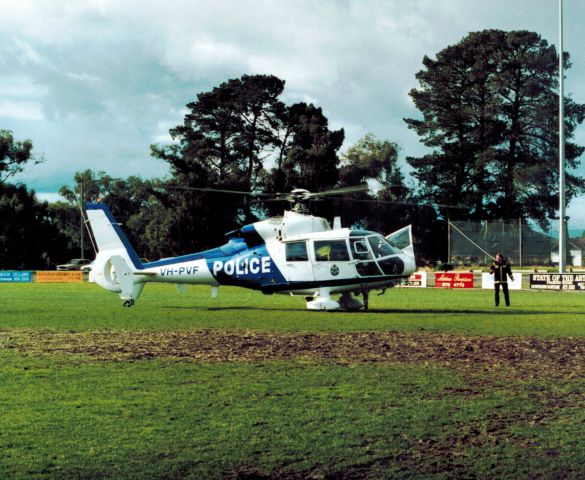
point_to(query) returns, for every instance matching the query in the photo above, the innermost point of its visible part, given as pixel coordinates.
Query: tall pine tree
(489, 106)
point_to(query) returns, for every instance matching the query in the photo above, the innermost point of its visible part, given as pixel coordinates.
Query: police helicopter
(296, 253)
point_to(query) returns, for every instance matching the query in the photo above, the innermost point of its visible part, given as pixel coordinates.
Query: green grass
(172, 420)
(74, 416)
(88, 307)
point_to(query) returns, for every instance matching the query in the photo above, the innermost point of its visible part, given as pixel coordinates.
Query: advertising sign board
(487, 281)
(557, 281)
(59, 276)
(454, 280)
(418, 279)
(15, 277)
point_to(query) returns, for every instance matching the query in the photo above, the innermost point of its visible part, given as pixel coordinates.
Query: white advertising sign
(418, 279)
(487, 281)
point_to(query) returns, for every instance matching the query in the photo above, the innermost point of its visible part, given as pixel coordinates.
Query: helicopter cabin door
(402, 239)
(298, 266)
(332, 260)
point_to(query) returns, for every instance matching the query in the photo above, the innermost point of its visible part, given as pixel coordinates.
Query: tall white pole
(81, 218)
(562, 226)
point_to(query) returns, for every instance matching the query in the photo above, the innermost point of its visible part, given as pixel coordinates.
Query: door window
(331, 251)
(296, 252)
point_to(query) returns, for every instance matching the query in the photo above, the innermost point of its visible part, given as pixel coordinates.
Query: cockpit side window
(296, 252)
(331, 251)
(381, 247)
(359, 249)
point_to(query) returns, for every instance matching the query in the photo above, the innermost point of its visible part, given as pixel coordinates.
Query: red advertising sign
(454, 280)
(418, 279)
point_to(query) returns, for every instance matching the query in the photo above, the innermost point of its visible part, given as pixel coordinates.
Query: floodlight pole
(81, 240)
(448, 240)
(520, 241)
(562, 225)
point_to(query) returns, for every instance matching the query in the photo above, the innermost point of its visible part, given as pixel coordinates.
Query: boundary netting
(477, 242)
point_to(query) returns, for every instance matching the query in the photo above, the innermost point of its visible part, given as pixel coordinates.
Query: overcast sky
(93, 83)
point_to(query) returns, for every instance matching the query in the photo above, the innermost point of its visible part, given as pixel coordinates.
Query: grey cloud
(109, 77)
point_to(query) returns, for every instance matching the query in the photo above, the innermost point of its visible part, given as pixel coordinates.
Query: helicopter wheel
(128, 303)
(349, 302)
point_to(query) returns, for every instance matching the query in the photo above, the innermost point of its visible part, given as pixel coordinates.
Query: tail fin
(117, 263)
(108, 234)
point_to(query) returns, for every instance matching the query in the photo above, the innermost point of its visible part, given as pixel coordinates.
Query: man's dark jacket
(501, 271)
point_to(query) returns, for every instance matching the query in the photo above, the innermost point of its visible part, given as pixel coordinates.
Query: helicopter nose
(392, 265)
(409, 263)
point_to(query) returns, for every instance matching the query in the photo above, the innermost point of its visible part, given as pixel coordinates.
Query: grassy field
(428, 384)
(161, 307)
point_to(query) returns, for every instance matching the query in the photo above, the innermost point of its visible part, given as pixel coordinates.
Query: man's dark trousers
(505, 290)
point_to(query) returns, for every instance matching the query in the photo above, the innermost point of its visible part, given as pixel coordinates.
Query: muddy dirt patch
(531, 356)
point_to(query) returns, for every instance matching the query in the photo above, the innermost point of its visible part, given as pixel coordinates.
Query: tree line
(489, 117)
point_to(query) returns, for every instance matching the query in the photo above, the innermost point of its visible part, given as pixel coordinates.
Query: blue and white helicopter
(296, 253)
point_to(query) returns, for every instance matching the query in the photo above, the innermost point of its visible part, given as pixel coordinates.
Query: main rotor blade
(414, 204)
(337, 191)
(295, 195)
(219, 190)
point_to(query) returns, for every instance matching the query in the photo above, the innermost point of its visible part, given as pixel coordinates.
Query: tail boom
(118, 268)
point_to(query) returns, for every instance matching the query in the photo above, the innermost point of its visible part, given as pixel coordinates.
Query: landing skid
(322, 300)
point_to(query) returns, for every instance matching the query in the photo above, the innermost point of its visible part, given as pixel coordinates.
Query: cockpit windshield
(381, 247)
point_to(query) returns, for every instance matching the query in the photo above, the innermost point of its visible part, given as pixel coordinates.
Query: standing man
(501, 270)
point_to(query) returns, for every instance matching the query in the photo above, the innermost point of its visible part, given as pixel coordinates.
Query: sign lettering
(184, 270)
(15, 276)
(418, 279)
(59, 276)
(454, 280)
(242, 266)
(555, 281)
